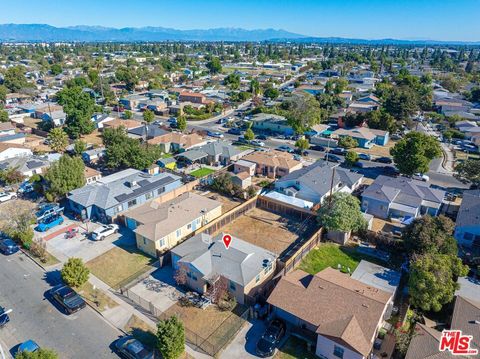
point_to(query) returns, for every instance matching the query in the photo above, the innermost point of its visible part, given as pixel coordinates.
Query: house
(311, 89)
(55, 118)
(91, 175)
(272, 123)
(213, 153)
(113, 194)
(101, 118)
(147, 132)
(168, 163)
(317, 130)
(131, 102)
(17, 138)
(205, 259)
(341, 315)
(360, 107)
(161, 226)
(366, 137)
(177, 142)
(27, 166)
(314, 183)
(401, 197)
(244, 166)
(94, 155)
(273, 164)
(467, 224)
(11, 150)
(6, 128)
(193, 97)
(242, 179)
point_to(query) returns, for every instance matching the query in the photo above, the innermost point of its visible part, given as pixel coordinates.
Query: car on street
(104, 231)
(215, 134)
(338, 151)
(317, 148)
(262, 137)
(365, 156)
(7, 196)
(242, 139)
(270, 339)
(332, 158)
(4, 318)
(234, 131)
(257, 143)
(302, 152)
(284, 148)
(359, 164)
(49, 222)
(130, 348)
(29, 346)
(70, 300)
(421, 177)
(7, 245)
(383, 160)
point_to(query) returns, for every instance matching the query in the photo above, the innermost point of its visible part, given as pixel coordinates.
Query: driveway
(245, 342)
(159, 289)
(81, 246)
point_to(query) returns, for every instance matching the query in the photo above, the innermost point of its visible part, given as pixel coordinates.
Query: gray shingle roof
(24, 164)
(240, 263)
(469, 212)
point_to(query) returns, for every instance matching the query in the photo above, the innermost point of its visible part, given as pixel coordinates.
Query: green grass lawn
(330, 255)
(202, 172)
(295, 348)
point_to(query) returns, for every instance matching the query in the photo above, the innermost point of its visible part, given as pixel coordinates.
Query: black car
(70, 301)
(262, 137)
(383, 160)
(332, 158)
(317, 148)
(270, 339)
(131, 348)
(234, 131)
(338, 151)
(7, 245)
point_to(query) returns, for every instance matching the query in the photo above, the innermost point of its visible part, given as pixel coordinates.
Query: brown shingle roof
(466, 317)
(128, 124)
(273, 159)
(340, 307)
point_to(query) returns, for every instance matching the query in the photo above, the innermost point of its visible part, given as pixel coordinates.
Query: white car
(104, 231)
(421, 177)
(257, 143)
(7, 196)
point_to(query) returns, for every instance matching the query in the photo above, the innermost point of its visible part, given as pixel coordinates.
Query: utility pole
(331, 188)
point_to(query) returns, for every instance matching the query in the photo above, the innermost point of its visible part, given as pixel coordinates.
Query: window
(162, 242)
(117, 209)
(189, 275)
(189, 226)
(338, 351)
(198, 220)
(149, 195)
(131, 203)
(257, 278)
(194, 277)
(161, 190)
(232, 286)
(144, 241)
(268, 268)
(179, 232)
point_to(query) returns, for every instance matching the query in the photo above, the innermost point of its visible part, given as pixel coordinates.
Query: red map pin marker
(227, 239)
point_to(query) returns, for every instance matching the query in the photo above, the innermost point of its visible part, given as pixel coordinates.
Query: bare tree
(180, 275)
(218, 288)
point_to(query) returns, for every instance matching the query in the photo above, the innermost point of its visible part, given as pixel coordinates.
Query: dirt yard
(227, 202)
(380, 151)
(95, 138)
(267, 230)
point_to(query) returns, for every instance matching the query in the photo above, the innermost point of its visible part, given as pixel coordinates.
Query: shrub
(171, 338)
(38, 249)
(227, 302)
(74, 273)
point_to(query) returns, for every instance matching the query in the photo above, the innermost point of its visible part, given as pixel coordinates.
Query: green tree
(65, 175)
(148, 116)
(41, 353)
(401, 103)
(127, 114)
(128, 75)
(58, 139)
(347, 142)
(214, 65)
(469, 171)
(381, 120)
(271, 93)
(11, 176)
(56, 69)
(232, 81)
(341, 212)
(3, 116)
(14, 78)
(254, 87)
(79, 107)
(414, 152)
(171, 338)
(249, 135)
(302, 144)
(432, 280)
(74, 272)
(3, 95)
(182, 123)
(351, 157)
(303, 112)
(79, 147)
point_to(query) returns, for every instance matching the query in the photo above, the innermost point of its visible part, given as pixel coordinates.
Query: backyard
(119, 266)
(202, 172)
(332, 255)
(294, 348)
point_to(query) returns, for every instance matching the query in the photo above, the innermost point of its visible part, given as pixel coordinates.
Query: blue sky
(371, 19)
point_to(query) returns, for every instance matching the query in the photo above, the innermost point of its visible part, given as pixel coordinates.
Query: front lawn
(96, 297)
(331, 255)
(295, 348)
(202, 172)
(119, 266)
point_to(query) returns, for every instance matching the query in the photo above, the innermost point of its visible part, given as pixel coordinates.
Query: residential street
(81, 335)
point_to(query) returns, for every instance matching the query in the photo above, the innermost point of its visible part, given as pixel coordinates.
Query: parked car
(104, 231)
(4, 318)
(29, 346)
(234, 131)
(257, 143)
(317, 148)
(215, 134)
(332, 158)
(172, 119)
(338, 151)
(365, 156)
(49, 222)
(270, 339)
(7, 245)
(262, 137)
(421, 177)
(47, 210)
(359, 164)
(302, 152)
(70, 301)
(390, 171)
(242, 139)
(383, 160)
(130, 348)
(26, 187)
(7, 196)
(285, 148)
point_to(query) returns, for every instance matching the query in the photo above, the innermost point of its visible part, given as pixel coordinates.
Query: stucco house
(11, 150)
(467, 224)
(366, 137)
(245, 266)
(273, 164)
(161, 226)
(265, 122)
(213, 153)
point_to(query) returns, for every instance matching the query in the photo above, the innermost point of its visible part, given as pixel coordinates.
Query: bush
(171, 338)
(228, 302)
(74, 273)
(38, 249)
(25, 237)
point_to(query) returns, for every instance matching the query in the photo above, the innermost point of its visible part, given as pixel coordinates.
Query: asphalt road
(23, 284)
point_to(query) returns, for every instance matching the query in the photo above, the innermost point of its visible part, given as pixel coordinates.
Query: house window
(149, 195)
(144, 241)
(198, 220)
(189, 275)
(161, 190)
(194, 277)
(257, 278)
(232, 286)
(338, 351)
(189, 226)
(268, 268)
(162, 242)
(118, 209)
(179, 232)
(132, 203)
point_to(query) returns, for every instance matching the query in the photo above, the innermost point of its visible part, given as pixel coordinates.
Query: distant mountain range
(83, 33)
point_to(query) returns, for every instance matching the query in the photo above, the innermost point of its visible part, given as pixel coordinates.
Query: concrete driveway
(159, 289)
(245, 342)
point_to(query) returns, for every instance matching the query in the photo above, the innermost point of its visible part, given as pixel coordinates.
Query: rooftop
(469, 212)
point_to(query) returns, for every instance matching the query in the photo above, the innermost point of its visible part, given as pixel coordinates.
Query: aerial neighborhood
(239, 198)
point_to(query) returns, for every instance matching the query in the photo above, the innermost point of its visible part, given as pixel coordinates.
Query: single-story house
(271, 123)
(366, 137)
(91, 175)
(147, 132)
(193, 97)
(131, 102)
(242, 179)
(94, 155)
(161, 226)
(213, 153)
(314, 183)
(27, 166)
(7, 128)
(56, 118)
(401, 197)
(100, 118)
(10, 150)
(114, 194)
(244, 166)
(341, 315)
(205, 259)
(467, 224)
(273, 164)
(127, 124)
(176, 141)
(17, 138)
